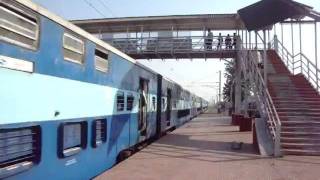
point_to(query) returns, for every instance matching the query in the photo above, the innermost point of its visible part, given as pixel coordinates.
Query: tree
(229, 84)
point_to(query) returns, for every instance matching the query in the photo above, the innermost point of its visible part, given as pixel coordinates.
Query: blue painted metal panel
(90, 161)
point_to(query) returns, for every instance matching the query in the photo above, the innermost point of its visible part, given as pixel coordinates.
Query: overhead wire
(107, 7)
(93, 7)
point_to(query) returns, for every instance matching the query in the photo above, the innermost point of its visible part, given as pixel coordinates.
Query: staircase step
(295, 91)
(302, 146)
(299, 113)
(294, 96)
(300, 140)
(297, 119)
(295, 102)
(299, 109)
(300, 134)
(300, 152)
(300, 128)
(290, 85)
(298, 106)
(304, 99)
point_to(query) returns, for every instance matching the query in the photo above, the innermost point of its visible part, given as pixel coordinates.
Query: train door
(159, 107)
(168, 111)
(143, 104)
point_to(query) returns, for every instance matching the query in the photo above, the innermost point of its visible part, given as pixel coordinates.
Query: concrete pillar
(237, 81)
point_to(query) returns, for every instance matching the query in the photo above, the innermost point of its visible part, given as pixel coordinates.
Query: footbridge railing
(298, 63)
(175, 47)
(253, 73)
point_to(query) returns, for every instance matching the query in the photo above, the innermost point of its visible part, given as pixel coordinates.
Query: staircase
(298, 107)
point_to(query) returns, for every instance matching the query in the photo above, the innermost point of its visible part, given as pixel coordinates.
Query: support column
(141, 38)
(246, 39)
(276, 43)
(282, 41)
(316, 51)
(292, 38)
(220, 86)
(256, 33)
(237, 88)
(265, 63)
(300, 36)
(250, 40)
(242, 37)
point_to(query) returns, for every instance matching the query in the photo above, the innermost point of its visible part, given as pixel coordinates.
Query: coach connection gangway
(163, 37)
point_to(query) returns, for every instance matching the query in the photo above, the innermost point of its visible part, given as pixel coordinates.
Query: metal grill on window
(101, 60)
(18, 25)
(120, 101)
(73, 48)
(130, 101)
(20, 149)
(72, 138)
(99, 132)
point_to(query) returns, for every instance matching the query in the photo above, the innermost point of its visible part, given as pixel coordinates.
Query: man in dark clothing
(208, 40)
(220, 41)
(234, 44)
(228, 42)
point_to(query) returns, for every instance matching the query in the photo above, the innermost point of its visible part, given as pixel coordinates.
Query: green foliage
(230, 76)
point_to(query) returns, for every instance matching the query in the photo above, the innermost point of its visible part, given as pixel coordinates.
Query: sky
(190, 74)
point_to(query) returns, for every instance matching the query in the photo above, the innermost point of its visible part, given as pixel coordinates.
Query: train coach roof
(42, 11)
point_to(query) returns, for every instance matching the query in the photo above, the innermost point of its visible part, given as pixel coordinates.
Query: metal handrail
(187, 43)
(268, 110)
(298, 61)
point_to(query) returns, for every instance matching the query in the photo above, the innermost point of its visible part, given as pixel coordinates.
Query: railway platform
(202, 149)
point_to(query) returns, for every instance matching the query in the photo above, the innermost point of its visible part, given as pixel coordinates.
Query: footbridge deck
(167, 37)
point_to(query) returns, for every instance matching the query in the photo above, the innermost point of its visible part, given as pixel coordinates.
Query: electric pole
(220, 86)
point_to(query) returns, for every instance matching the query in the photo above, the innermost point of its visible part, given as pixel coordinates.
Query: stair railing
(253, 72)
(298, 63)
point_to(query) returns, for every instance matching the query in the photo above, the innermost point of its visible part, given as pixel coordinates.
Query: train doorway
(168, 110)
(143, 104)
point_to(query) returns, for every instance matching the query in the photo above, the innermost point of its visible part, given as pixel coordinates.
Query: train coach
(70, 103)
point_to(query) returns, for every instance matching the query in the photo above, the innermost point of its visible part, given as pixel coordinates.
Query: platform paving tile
(201, 150)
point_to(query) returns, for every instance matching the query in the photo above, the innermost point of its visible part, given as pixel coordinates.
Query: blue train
(70, 103)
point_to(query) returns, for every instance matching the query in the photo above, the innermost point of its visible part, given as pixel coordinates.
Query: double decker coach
(70, 103)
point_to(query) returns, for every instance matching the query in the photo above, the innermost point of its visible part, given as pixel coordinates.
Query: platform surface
(201, 150)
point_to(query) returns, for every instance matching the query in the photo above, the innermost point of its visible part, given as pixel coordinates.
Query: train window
(101, 60)
(154, 103)
(99, 130)
(72, 138)
(120, 101)
(18, 25)
(175, 104)
(73, 48)
(130, 101)
(20, 149)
